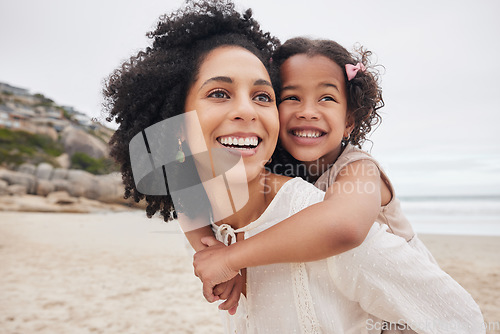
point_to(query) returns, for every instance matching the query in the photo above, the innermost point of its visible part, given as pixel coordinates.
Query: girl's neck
(318, 167)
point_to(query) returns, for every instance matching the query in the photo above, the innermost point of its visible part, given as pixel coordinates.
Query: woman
(209, 63)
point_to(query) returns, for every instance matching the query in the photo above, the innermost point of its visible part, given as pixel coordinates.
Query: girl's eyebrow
(289, 88)
(324, 84)
(327, 84)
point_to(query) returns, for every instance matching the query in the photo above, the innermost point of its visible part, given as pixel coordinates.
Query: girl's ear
(349, 126)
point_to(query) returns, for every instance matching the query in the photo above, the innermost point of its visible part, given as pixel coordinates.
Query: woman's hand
(211, 265)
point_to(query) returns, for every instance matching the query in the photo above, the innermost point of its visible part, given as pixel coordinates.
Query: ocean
(447, 189)
(453, 215)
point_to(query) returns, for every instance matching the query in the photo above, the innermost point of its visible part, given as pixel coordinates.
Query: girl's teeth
(307, 133)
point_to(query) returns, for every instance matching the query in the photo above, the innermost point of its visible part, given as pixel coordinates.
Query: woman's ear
(181, 133)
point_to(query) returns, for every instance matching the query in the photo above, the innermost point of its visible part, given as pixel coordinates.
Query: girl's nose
(308, 113)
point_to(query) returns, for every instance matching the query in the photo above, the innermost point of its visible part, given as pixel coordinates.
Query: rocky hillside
(53, 158)
(34, 129)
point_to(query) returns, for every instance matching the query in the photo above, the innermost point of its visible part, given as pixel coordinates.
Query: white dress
(384, 277)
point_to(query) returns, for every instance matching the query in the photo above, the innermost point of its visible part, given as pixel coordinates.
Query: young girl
(328, 103)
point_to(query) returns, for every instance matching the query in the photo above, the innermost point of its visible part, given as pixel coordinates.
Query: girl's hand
(211, 265)
(230, 291)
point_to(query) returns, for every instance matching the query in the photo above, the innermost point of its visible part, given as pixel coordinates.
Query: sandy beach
(124, 273)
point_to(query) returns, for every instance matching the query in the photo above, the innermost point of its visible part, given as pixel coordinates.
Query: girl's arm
(339, 223)
(195, 229)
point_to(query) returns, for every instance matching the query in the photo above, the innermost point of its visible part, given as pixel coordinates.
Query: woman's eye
(327, 98)
(263, 98)
(290, 98)
(218, 94)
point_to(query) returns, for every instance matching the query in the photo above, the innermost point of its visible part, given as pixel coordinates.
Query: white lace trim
(308, 321)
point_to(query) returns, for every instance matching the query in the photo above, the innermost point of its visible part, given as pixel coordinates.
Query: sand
(124, 273)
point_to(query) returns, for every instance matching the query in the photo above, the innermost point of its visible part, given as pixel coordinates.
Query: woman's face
(313, 111)
(235, 104)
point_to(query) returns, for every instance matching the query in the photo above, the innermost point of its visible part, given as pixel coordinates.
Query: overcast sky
(441, 82)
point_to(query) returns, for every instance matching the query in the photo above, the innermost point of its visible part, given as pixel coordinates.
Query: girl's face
(235, 104)
(313, 111)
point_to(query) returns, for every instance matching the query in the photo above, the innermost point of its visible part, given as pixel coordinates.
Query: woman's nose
(244, 109)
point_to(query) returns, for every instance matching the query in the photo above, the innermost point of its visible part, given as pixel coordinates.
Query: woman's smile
(235, 103)
(241, 144)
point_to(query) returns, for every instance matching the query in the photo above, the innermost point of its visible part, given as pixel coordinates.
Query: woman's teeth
(307, 133)
(239, 142)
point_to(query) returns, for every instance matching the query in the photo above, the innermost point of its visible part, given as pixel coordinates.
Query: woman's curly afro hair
(364, 95)
(152, 86)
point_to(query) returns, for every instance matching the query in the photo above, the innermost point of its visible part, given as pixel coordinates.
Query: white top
(384, 277)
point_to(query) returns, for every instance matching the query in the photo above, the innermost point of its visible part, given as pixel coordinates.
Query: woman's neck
(261, 192)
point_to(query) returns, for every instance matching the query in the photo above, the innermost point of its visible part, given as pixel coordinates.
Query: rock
(27, 169)
(60, 174)
(110, 188)
(77, 140)
(83, 184)
(47, 131)
(61, 198)
(61, 185)
(64, 161)
(44, 171)
(17, 189)
(44, 187)
(3, 188)
(13, 178)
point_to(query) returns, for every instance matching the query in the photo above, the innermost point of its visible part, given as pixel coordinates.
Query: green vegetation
(44, 101)
(66, 114)
(17, 147)
(95, 166)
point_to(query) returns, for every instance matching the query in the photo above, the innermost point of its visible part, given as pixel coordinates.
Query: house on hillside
(4, 87)
(5, 112)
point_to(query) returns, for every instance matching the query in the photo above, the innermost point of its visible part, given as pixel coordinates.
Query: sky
(440, 79)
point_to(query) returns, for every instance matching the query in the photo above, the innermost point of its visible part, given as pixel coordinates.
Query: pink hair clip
(351, 70)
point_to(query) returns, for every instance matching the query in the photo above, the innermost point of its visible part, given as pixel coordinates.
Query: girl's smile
(313, 111)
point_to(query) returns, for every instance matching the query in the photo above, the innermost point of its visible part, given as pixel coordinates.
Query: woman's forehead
(232, 61)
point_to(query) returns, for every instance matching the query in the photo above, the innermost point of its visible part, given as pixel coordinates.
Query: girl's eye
(290, 98)
(218, 94)
(263, 97)
(328, 98)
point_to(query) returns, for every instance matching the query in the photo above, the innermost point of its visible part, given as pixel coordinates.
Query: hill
(35, 129)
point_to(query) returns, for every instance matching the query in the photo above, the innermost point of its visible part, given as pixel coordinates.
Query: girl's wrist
(234, 259)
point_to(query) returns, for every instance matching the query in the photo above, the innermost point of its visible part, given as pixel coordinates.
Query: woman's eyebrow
(219, 78)
(260, 82)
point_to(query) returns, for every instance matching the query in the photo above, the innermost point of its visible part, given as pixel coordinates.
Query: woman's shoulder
(279, 183)
(297, 192)
(275, 182)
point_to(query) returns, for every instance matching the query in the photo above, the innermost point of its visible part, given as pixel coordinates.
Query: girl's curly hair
(153, 85)
(364, 95)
